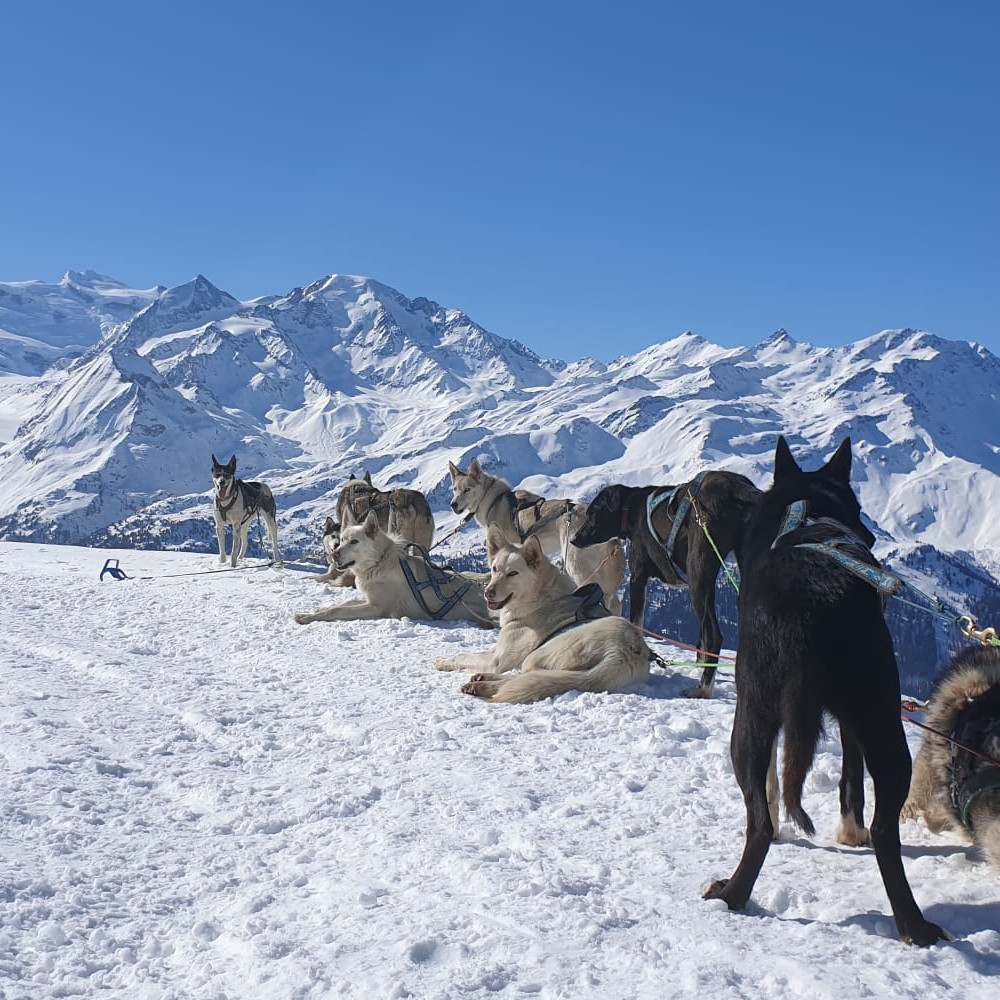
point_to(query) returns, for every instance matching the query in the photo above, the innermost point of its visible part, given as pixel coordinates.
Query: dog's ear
(474, 469)
(454, 470)
(784, 465)
(371, 524)
(839, 466)
(348, 517)
(494, 540)
(232, 464)
(330, 527)
(532, 552)
(368, 477)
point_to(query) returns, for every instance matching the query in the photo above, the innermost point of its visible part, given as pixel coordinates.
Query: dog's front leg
(468, 662)
(220, 535)
(240, 534)
(349, 611)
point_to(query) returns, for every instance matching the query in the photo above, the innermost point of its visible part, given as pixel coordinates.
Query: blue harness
(796, 517)
(667, 496)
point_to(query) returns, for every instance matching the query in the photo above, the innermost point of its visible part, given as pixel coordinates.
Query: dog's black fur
(724, 500)
(812, 639)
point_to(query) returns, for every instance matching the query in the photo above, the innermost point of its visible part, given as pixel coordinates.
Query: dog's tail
(802, 727)
(616, 671)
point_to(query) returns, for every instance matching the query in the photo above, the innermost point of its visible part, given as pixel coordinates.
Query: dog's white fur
(375, 559)
(605, 654)
(486, 498)
(930, 796)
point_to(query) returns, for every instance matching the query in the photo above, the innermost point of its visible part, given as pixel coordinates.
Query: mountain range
(113, 400)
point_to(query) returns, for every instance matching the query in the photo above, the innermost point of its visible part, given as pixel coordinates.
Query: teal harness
(796, 517)
(688, 493)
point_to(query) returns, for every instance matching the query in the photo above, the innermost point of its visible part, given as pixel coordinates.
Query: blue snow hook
(111, 566)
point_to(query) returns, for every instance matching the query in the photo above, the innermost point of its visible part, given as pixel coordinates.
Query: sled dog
(665, 542)
(956, 786)
(334, 576)
(813, 639)
(396, 583)
(559, 638)
(236, 503)
(522, 514)
(404, 514)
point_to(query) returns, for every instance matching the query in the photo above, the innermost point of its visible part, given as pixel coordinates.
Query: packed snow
(201, 799)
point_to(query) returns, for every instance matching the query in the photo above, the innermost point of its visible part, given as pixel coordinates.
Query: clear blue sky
(589, 178)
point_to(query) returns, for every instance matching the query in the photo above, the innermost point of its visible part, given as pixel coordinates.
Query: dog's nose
(454, 506)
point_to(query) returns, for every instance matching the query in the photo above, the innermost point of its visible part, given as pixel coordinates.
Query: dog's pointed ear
(348, 517)
(232, 463)
(474, 469)
(784, 465)
(454, 470)
(532, 552)
(215, 461)
(839, 466)
(371, 524)
(368, 477)
(330, 526)
(494, 540)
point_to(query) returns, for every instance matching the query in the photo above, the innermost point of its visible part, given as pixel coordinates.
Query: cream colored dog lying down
(396, 584)
(547, 632)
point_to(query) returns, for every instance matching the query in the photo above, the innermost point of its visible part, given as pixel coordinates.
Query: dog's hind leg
(272, 533)
(755, 729)
(772, 789)
(851, 830)
(888, 761)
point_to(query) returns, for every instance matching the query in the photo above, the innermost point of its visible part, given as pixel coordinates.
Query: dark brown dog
(723, 499)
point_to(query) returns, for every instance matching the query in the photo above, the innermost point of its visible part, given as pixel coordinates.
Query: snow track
(201, 799)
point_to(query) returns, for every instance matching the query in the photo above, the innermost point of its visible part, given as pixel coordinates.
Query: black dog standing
(812, 639)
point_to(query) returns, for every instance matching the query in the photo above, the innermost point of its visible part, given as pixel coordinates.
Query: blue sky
(588, 178)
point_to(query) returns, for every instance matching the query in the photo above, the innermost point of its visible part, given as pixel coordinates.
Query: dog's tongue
(223, 492)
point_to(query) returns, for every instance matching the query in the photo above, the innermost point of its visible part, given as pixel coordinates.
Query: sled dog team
(813, 638)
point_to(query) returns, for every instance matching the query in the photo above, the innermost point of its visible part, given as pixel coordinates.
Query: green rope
(715, 548)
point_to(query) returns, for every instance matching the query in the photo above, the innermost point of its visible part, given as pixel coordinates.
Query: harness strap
(656, 500)
(985, 780)
(436, 577)
(796, 516)
(585, 604)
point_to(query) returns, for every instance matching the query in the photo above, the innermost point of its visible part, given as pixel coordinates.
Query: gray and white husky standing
(236, 503)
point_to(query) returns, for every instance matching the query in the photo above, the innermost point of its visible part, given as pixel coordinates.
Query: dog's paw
(304, 619)
(924, 934)
(852, 835)
(480, 687)
(697, 692)
(714, 890)
(444, 663)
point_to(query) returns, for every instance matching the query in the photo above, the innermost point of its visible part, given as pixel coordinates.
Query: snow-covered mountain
(110, 427)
